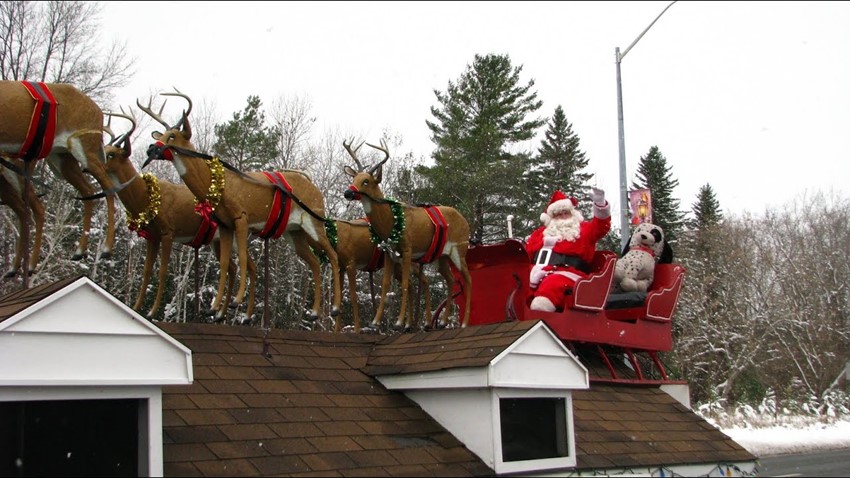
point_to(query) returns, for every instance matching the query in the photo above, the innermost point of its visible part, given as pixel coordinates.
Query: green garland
(333, 237)
(398, 227)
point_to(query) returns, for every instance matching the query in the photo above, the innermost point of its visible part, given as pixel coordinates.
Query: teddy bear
(635, 270)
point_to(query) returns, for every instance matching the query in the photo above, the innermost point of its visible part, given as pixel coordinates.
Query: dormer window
(533, 430)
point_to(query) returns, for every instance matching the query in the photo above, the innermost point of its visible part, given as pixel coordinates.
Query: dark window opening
(70, 438)
(533, 428)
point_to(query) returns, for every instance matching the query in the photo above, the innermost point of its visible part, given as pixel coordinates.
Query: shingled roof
(14, 302)
(312, 406)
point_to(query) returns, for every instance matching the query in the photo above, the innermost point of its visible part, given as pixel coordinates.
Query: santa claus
(562, 249)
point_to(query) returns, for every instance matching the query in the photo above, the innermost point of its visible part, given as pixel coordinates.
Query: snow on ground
(791, 438)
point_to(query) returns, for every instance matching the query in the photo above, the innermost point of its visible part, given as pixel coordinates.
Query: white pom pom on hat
(559, 200)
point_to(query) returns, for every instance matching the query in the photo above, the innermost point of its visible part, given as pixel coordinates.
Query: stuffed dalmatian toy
(635, 270)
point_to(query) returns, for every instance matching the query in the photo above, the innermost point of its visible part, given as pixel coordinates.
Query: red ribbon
(204, 209)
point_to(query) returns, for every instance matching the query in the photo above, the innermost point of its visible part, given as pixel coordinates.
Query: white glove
(598, 196)
(537, 275)
(549, 241)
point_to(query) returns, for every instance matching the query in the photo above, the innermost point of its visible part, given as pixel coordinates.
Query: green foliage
(654, 174)
(558, 165)
(706, 209)
(246, 141)
(478, 118)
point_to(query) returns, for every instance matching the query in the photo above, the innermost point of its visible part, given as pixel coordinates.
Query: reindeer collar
(141, 220)
(397, 230)
(216, 189)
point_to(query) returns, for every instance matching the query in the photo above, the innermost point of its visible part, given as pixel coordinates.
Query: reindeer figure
(12, 194)
(357, 252)
(163, 213)
(410, 233)
(246, 203)
(74, 147)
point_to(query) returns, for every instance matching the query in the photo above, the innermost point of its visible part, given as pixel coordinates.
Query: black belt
(556, 259)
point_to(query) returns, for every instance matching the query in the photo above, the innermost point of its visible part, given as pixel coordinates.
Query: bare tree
(292, 115)
(57, 42)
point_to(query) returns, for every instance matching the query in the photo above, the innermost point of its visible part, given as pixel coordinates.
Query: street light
(624, 194)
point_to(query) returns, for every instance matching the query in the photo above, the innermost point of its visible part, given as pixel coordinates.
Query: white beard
(567, 229)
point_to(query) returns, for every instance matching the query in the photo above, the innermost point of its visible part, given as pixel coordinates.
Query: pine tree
(706, 210)
(558, 165)
(477, 119)
(654, 174)
(246, 141)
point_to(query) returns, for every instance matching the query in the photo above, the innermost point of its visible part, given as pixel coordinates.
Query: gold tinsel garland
(216, 183)
(138, 222)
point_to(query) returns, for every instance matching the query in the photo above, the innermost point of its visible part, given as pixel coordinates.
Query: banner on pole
(641, 203)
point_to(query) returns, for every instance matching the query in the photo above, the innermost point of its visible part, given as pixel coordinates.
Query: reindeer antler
(382, 147)
(353, 154)
(115, 141)
(108, 129)
(153, 115)
(187, 111)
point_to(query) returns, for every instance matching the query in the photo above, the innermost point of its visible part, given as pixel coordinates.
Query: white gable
(82, 335)
(536, 360)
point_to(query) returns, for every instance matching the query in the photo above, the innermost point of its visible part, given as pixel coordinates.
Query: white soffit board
(538, 359)
(81, 334)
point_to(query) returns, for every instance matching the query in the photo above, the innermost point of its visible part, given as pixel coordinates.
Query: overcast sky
(749, 97)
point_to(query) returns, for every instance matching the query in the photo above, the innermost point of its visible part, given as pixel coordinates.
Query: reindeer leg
(405, 286)
(302, 248)
(106, 253)
(164, 245)
(226, 249)
(336, 308)
(151, 248)
(37, 208)
(241, 224)
(385, 288)
(252, 290)
(87, 150)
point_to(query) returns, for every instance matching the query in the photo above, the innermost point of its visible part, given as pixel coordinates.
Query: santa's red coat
(584, 247)
(555, 286)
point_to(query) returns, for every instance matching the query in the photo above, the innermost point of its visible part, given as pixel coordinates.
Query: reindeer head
(177, 136)
(118, 148)
(365, 182)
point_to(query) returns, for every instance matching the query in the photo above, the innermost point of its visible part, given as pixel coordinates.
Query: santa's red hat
(558, 202)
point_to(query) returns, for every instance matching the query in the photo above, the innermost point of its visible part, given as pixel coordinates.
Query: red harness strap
(206, 232)
(440, 235)
(39, 140)
(281, 207)
(376, 261)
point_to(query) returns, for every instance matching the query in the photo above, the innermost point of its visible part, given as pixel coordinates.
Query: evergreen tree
(246, 141)
(558, 165)
(654, 174)
(706, 210)
(476, 121)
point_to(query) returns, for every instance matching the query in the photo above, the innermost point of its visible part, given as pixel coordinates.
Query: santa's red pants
(555, 286)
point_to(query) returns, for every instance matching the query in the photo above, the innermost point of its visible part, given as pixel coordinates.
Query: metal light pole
(624, 193)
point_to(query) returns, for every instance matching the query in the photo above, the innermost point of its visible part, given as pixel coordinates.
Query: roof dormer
(511, 403)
